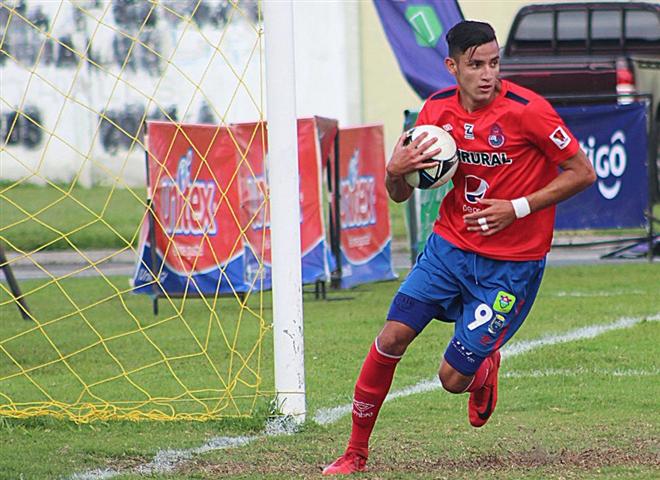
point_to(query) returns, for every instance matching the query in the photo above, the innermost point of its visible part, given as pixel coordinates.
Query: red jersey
(508, 149)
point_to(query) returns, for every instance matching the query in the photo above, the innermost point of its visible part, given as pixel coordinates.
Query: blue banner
(416, 31)
(614, 137)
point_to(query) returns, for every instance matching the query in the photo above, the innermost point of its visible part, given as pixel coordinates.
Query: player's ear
(450, 64)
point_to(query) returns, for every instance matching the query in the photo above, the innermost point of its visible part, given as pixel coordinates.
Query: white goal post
(284, 209)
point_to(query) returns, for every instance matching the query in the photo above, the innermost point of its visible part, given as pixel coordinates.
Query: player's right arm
(405, 159)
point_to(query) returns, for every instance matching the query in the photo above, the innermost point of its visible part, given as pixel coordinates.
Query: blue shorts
(486, 299)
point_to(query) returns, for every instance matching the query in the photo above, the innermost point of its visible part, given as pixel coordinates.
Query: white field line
(578, 372)
(331, 415)
(612, 293)
(166, 460)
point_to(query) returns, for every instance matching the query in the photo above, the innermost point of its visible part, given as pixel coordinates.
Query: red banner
(254, 205)
(365, 220)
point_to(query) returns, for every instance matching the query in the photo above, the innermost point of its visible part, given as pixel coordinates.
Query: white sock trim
(385, 354)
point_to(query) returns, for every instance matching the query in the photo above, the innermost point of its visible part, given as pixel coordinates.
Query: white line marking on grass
(325, 416)
(578, 372)
(168, 460)
(612, 293)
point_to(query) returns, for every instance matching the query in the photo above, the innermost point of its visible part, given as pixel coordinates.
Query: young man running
(482, 265)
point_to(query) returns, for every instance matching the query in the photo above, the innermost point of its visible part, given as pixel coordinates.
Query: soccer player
(482, 265)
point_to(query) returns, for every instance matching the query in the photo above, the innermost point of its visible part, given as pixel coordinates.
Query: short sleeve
(423, 117)
(544, 128)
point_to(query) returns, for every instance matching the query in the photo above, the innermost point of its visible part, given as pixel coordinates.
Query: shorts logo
(497, 324)
(447, 127)
(361, 409)
(496, 138)
(475, 188)
(469, 131)
(504, 302)
(560, 138)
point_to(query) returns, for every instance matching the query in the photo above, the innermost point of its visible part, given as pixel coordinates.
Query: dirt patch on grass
(564, 461)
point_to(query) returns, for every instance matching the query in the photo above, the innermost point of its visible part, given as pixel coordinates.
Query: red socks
(480, 376)
(370, 391)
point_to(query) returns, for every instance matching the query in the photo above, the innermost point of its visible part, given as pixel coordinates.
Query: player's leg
(497, 301)
(371, 388)
(407, 317)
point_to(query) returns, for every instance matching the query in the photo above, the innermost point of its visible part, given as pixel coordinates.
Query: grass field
(54, 217)
(583, 409)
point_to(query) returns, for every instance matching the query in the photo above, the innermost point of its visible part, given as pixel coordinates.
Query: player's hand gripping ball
(447, 159)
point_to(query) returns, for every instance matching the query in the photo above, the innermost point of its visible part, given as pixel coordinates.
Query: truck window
(572, 31)
(642, 28)
(605, 29)
(534, 33)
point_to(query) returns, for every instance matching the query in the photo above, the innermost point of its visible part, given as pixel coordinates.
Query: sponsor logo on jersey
(469, 131)
(362, 409)
(475, 188)
(504, 302)
(609, 162)
(496, 138)
(487, 159)
(187, 207)
(560, 138)
(358, 196)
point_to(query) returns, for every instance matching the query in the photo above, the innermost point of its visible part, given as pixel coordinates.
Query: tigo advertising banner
(615, 140)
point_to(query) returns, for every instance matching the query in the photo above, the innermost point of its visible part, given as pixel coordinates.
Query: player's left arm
(576, 175)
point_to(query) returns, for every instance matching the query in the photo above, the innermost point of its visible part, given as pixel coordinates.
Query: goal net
(79, 81)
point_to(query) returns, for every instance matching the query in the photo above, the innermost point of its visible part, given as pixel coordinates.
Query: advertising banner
(199, 246)
(365, 221)
(254, 206)
(416, 31)
(614, 137)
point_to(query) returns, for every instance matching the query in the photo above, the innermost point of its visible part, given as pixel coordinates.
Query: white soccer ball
(447, 159)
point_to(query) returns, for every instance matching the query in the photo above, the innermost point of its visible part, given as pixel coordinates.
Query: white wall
(207, 72)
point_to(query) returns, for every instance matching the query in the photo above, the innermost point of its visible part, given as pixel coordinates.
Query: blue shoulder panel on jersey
(516, 98)
(445, 94)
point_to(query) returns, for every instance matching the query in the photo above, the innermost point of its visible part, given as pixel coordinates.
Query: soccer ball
(447, 159)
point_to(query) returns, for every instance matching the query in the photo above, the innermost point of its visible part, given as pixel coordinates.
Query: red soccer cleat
(349, 462)
(483, 401)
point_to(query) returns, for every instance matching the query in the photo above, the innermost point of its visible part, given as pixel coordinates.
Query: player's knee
(451, 380)
(394, 338)
(450, 384)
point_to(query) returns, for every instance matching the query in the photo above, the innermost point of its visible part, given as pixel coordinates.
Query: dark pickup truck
(587, 49)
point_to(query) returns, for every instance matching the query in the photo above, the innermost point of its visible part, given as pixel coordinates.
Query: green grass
(55, 217)
(578, 421)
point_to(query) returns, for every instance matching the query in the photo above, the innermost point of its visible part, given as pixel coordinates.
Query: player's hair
(467, 34)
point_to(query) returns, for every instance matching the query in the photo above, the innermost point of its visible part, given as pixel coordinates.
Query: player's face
(476, 72)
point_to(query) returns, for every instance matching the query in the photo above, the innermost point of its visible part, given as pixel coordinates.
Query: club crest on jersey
(469, 131)
(497, 324)
(496, 138)
(560, 138)
(475, 188)
(504, 302)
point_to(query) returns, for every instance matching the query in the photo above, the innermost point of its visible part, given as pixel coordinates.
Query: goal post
(284, 209)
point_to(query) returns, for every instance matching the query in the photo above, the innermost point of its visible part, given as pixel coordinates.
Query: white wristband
(521, 207)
